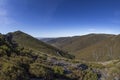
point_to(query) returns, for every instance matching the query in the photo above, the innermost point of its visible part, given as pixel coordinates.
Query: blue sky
(55, 18)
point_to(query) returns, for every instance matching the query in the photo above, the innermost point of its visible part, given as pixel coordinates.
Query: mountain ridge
(19, 63)
(27, 41)
(85, 47)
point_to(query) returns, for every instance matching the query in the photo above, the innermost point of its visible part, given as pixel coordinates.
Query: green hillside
(31, 43)
(77, 43)
(93, 47)
(108, 49)
(18, 63)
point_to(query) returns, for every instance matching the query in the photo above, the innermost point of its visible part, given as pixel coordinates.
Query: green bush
(90, 75)
(58, 70)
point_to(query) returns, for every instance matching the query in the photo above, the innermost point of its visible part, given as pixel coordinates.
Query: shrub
(76, 75)
(37, 70)
(58, 70)
(90, 75)
(11, 71)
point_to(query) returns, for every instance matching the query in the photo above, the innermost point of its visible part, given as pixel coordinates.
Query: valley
(21, 60)
(91, 47)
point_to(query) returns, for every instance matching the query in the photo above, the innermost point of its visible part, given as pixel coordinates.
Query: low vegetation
(19, 63)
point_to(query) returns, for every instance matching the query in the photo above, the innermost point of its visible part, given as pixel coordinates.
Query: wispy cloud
(3, 12)
(101, 29)
(2, 2)
(7, 24)
(4, 16)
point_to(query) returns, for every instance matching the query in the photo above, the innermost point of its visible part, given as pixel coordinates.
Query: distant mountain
(46, 39)
(94, 47)
(31, 43)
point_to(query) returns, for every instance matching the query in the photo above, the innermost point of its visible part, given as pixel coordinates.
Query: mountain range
(23, 57)
(91, 47)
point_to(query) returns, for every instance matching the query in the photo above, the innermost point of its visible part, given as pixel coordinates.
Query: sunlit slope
(29, 42)
(108, 49)
(94, 47)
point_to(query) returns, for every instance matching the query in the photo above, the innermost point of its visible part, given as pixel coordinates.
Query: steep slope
(31, 43)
